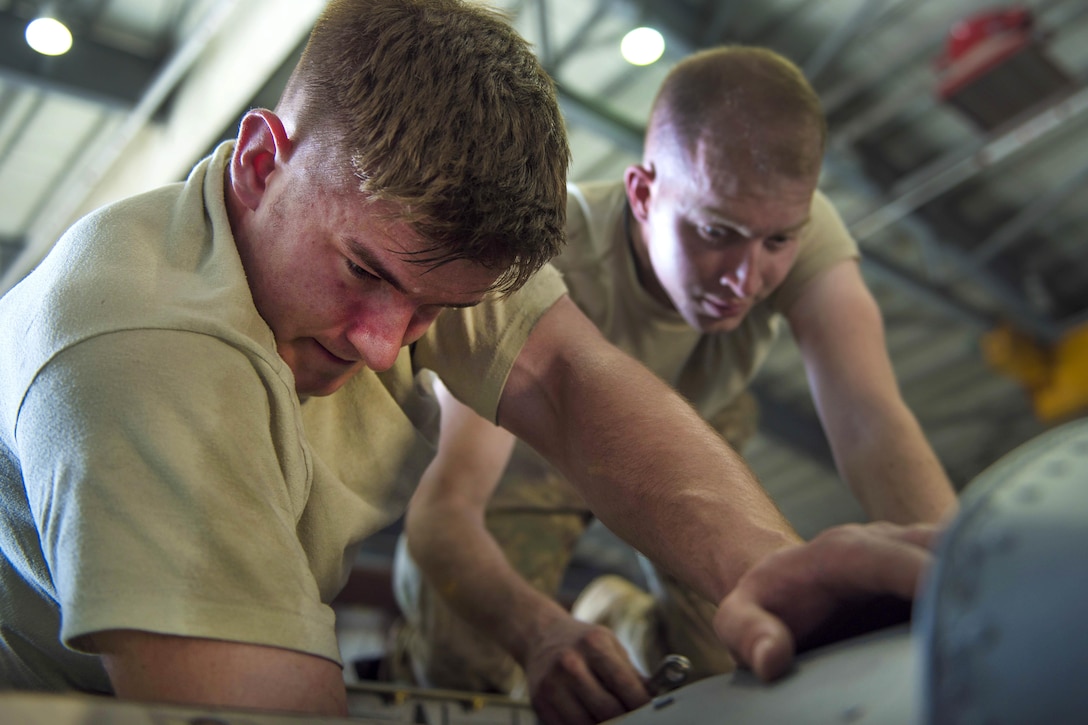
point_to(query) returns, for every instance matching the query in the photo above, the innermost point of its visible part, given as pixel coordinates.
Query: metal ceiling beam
(592, 114)
(776, 23)
(918, 48)
(946, 173)
(882, 265)
(722, 16)
(92, 132)
(60, 206)
(911, 96)
(673, 18)
(10, 247)
(20, 126)
(1029, 217)
(921, 229)
(840, 37)
(90, 70)
(545, 52)
(580, 37)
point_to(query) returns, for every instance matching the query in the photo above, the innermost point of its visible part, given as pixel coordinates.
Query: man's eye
(358, 271)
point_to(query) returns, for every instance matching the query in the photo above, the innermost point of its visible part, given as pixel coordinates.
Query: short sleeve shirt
(158, 471)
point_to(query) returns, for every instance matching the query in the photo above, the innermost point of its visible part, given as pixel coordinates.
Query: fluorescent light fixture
(642, 46)
(48, 36)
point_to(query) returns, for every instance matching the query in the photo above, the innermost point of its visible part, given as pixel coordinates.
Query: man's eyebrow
(380, 270)
(367, 257)
(749, 233)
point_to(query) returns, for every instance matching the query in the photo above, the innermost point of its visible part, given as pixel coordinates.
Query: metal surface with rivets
(1001, 622)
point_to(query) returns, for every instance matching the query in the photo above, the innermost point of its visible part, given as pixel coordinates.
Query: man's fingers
(755, 637)
(924, 535)
(596, 681)
(871, 559)
(575, 691)
(557, 699)
(771, 657)
(609, 662)
(794, 592)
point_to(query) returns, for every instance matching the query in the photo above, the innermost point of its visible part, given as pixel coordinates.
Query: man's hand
(580, 673)
(793, 593)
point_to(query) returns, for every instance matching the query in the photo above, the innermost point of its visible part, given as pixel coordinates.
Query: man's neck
(644, 269)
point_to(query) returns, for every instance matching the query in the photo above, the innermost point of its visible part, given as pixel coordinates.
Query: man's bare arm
(576, 672)
(878, 445)
(195, 671)
(647, 464)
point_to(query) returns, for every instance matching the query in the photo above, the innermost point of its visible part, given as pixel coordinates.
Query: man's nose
(378, 335)
(741, 274)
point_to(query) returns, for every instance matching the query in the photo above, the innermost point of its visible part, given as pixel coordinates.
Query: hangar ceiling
(965, 186)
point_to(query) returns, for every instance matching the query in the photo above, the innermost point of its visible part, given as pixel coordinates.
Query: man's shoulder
(826, 225)
(589, 200)
(112, 254)
(825, 242)
(594, 212)
(161, 259)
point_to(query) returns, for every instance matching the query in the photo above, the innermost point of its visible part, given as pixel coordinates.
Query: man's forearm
(879, 447)
(475, 579)
(894, 472)
(648, 466)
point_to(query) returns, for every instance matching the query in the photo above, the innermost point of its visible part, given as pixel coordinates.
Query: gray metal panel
(1004, 638)
(867, 680)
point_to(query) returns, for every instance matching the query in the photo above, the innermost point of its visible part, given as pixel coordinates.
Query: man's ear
(638, 180)
(262, 144)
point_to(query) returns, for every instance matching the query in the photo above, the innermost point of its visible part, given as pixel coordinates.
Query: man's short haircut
(751, 103)
(441, 108)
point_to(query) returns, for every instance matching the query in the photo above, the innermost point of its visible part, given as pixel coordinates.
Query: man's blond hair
(441, 108)
(751, 104)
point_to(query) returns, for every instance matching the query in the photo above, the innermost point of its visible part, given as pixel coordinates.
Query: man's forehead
(763, 206)
(736, 170)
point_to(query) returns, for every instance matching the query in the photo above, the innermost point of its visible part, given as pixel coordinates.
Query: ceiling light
(642, 46)
(48, 36)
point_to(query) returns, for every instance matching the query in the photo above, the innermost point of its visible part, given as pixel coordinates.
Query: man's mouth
(721, 309)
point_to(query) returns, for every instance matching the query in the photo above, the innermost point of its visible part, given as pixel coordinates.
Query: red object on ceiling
(969, 32)
(978, 44)
(995, 69)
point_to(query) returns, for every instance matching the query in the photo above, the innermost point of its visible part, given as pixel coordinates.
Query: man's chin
(321, 387)
(711, 325)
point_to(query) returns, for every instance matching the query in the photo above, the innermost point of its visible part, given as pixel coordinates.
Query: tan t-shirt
(157, 470)
(709, 370)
